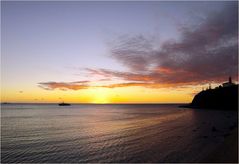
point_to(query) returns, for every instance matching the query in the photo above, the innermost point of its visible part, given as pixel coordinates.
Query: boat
(64, 104)
(5, 103)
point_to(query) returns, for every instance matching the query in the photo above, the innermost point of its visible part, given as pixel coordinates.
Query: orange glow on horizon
(102, 95)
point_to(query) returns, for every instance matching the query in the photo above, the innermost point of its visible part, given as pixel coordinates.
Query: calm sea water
(110, 133)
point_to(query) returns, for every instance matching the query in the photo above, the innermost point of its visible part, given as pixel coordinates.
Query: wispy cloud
(76, 85)
(124, 85)
(133, 51)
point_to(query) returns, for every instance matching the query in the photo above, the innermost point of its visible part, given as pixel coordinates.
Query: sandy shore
(226, 152)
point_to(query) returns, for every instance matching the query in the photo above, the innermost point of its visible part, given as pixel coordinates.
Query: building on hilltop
(229, 83)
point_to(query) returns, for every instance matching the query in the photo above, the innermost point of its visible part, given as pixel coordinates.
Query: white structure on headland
(229, 83)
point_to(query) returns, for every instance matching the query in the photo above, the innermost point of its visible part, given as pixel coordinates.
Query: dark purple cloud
(204, 53)
(133, 52)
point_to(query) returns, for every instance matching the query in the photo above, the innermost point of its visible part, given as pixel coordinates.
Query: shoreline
(206, 108)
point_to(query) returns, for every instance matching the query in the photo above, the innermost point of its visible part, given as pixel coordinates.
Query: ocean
(39, 133)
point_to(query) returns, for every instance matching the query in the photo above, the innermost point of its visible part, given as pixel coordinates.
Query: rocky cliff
(218, 98)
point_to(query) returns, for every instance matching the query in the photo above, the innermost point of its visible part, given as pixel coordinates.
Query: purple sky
(136, 42)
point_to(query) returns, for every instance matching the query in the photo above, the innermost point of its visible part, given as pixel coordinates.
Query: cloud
(204, 53)
(133, 51)
(76, 85)
(209, 51)
(125, 85)
(97, 72)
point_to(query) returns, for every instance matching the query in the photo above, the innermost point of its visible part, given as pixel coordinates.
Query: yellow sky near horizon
(132, 94)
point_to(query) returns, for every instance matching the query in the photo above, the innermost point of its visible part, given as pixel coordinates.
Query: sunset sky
(116, 52)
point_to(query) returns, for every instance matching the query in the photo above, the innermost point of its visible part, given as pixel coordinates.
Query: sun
(101, 96)
(100, 100)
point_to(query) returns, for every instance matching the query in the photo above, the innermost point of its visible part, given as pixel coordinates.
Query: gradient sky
(116, 52)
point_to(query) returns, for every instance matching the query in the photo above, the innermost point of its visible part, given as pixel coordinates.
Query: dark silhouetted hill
(218, 98)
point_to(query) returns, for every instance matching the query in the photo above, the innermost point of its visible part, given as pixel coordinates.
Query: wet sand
(226, 152)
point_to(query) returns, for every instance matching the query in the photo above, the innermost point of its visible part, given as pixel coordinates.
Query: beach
(226, 152)
(117, 133)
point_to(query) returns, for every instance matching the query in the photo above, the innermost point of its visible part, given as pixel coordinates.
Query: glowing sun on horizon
(100, 96)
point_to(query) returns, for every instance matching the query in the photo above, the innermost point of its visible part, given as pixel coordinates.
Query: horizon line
(6, 103)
